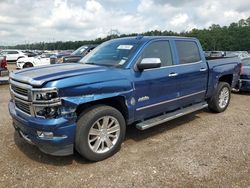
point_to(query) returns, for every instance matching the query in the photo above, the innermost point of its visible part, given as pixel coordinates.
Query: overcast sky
(26, 21)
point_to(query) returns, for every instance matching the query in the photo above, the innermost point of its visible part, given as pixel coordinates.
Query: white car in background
(242, 54)
(27, 62)
(13, 55)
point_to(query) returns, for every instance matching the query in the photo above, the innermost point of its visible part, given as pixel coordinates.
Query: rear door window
(188, 52)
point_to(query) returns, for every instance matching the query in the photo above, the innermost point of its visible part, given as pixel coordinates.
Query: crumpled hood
(41, 75)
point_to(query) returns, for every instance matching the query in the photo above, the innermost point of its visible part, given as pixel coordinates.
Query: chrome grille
(19, 90)
(22, 106)
(20, 94)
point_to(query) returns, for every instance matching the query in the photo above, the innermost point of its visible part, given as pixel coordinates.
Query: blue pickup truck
(140, 81)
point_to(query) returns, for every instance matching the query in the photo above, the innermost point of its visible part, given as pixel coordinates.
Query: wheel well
(28, 63)
(115, 102)
(20, 57)
(227, 78)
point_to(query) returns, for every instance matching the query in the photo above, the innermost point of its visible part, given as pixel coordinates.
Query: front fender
(76, 101)
(101, 91)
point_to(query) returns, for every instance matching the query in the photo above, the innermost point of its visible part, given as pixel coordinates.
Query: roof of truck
(142, 39)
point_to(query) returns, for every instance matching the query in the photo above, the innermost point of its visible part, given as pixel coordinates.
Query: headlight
(46, 102)
(47, 95)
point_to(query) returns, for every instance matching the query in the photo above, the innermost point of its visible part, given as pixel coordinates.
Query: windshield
(112, 53)
(80, 50)
(246, 62)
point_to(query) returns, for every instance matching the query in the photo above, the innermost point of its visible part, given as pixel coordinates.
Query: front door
(156, 89)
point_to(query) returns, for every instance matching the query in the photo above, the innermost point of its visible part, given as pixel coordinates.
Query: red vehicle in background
(3, 66)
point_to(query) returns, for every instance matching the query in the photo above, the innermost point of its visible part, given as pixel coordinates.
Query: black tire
(27, 65)
(85, 122)
(213, 104)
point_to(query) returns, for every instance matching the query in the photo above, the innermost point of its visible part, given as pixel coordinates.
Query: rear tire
(100, 132)
(221, 99)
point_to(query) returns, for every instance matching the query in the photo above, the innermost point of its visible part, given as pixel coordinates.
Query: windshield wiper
(104, 65)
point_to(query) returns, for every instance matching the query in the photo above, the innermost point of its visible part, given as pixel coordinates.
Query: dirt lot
(198, 150)
(11, 66)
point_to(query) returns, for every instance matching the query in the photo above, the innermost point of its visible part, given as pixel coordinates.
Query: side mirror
(149, 63)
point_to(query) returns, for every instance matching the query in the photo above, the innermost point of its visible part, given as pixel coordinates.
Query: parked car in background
(30, 53)
(217, 54)
(78, 54)
(231, 54)
(27, 62)
(242, 54)
(13, 55)
(57, 58)
(245, 75)
(3, 66)
(207, 54)
(141, 81)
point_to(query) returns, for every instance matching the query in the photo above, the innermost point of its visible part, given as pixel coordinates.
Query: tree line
(234, 37)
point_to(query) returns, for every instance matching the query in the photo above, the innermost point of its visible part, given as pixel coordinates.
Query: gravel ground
(199, 150)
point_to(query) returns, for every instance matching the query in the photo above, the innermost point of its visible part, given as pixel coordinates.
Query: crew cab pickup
(139, 81)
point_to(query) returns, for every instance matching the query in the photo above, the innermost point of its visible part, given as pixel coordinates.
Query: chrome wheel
(104, 134)
(224, 97)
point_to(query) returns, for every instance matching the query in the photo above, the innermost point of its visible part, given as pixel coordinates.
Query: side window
(12, 52)
(188, 52)
(159, 49)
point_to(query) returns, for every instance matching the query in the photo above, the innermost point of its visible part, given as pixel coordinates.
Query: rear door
(192, 72)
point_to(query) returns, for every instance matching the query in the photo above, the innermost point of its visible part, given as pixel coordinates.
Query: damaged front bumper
(51, 136)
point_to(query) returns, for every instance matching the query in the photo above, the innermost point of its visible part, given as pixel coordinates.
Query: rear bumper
(62, 142)
(244, 85)
(19, 65)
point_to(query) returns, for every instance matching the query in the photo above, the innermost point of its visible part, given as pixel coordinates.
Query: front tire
(100, 132)
(27, 65)
(221, 99)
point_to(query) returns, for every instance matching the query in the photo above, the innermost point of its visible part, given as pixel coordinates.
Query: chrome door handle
(173, 74)
(203, 69)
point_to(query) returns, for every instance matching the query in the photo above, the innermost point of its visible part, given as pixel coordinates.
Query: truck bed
(229, 67)
(223, 60)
